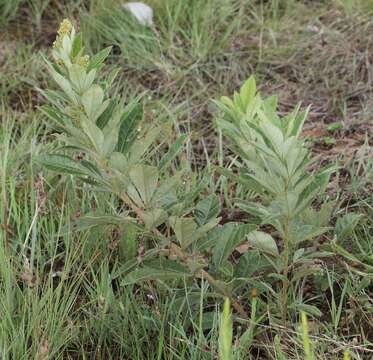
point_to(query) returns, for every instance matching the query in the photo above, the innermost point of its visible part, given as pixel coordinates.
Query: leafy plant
(273, 161)
(105, 145)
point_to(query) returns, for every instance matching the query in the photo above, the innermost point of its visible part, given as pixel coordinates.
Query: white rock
(142, 12)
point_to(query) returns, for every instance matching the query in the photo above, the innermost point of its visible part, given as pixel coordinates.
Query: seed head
(254, 293)
(65, 28)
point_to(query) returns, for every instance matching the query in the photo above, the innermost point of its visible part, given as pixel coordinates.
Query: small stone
(142, 12)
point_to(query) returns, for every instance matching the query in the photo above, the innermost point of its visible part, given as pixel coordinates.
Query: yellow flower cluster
(64, 29)
(83, 61)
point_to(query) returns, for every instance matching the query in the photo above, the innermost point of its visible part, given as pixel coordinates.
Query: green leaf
(130, 120)
(77, 46)
(250, 263)
(172, 152)
(346, 225)
(128, 242)
(270, 104)
(63, 83)
(118, 162)
(256, 210)
(260, 178)
(242, 180)
(65, 165)
(184, 229)
(298, 123)
(226, 102)
(205, 228)
(111, 135)
(248, 91)
(306, 269)
(321, 217)
(92, 101)
(299, 232)
(272, 134)
(94, 134)
(323, 176)
(298, 255)
(92, 220)
(145, 179)
(314, 188)
(99, 58)
(309, 309)
(157, 270)
(238, 102)
(132, 264)
(56, 98)
(325, 213)
(154, 218)
(263, 242)
(142, 144)
(226, 238)
(351, 257)
(165, 194)
(77, 76)
(107, 114)
(54, 114)
(207, 209)
(80, 80)
(333, 127)
(111, 77)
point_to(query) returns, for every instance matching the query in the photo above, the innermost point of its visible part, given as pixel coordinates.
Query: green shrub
(273, 161)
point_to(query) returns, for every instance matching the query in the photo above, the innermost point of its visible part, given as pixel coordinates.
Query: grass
(60, 294)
